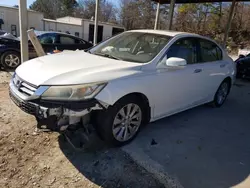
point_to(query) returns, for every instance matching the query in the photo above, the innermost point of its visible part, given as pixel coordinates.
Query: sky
(29, 2)
(14, 2)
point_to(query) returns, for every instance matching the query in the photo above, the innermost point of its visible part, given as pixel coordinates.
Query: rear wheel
(120, 124)
(10, 59)
(222, 93)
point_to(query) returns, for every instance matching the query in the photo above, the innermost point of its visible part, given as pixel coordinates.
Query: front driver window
(185, 49)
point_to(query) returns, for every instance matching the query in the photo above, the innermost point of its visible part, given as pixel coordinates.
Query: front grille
(25, 106)
(24, 87)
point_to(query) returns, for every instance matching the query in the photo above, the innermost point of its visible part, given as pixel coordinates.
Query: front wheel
(221, 94)
(120, 124)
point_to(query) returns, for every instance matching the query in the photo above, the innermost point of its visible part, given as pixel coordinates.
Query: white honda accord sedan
(124, 82)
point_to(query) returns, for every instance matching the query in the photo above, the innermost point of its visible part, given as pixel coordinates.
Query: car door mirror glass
(176, 62)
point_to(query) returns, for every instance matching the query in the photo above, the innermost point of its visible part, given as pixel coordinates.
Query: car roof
(174, 34)
(165, 32)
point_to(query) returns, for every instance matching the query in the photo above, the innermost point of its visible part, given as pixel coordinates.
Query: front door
(180, 87)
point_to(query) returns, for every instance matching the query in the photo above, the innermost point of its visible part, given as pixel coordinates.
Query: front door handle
(197, 70)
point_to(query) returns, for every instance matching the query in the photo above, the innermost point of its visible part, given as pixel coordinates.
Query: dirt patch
(47, 160)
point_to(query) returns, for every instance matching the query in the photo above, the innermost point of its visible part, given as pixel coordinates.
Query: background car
(243, 66)
(10, 46)
(2, 32)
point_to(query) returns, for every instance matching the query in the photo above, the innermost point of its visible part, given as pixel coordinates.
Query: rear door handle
(222, 66)
(197, 70)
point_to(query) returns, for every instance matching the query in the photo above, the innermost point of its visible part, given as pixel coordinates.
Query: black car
(50, 41)
(2, 32)
(243, 66)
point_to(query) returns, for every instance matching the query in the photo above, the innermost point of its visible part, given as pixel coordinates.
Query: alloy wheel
(127, 122)
(12, 60)
(222, 93)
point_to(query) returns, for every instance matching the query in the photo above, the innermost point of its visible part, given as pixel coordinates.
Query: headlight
(73, 92)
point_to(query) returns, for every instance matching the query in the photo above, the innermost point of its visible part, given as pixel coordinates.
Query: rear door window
(67, 40)
(209, 51)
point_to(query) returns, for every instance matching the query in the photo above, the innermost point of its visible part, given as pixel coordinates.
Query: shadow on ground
(107, 167)
(203, 147)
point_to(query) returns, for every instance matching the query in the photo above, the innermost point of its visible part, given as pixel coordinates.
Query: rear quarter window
(209, 51)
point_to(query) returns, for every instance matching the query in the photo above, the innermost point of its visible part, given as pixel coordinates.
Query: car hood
(75, 67)
(9, 36)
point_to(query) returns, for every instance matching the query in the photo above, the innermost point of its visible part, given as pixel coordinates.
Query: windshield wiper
(108, 56)
(88, 51)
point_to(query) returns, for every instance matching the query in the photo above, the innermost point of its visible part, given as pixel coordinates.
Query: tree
(136, 14)
(202, 18)
(68, 7)
(210, 19)
(54, 9)
(107, 10)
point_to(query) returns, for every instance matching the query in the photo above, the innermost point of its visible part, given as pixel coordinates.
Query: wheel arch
(143, 98)
(9, 49)
(228, 79)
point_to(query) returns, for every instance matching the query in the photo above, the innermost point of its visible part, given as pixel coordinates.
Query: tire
(114, 134)
(11, 59)
(221, 94)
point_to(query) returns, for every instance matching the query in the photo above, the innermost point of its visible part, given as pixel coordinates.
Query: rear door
(66, 43)
(48, 41)
(210, 57)
(82, 44)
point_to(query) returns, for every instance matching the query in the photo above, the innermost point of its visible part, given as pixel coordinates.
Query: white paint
(52, 68)
(176, 62)
(163, 32)
(169, 90)
(70, 20)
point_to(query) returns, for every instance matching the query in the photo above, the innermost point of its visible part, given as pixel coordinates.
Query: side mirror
(176, 62)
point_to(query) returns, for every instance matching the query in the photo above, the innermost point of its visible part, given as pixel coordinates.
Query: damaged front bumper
(55, 114)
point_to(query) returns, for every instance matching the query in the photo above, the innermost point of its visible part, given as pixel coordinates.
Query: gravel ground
(28, 159)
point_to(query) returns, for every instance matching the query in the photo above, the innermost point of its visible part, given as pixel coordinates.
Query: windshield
(132, 46)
